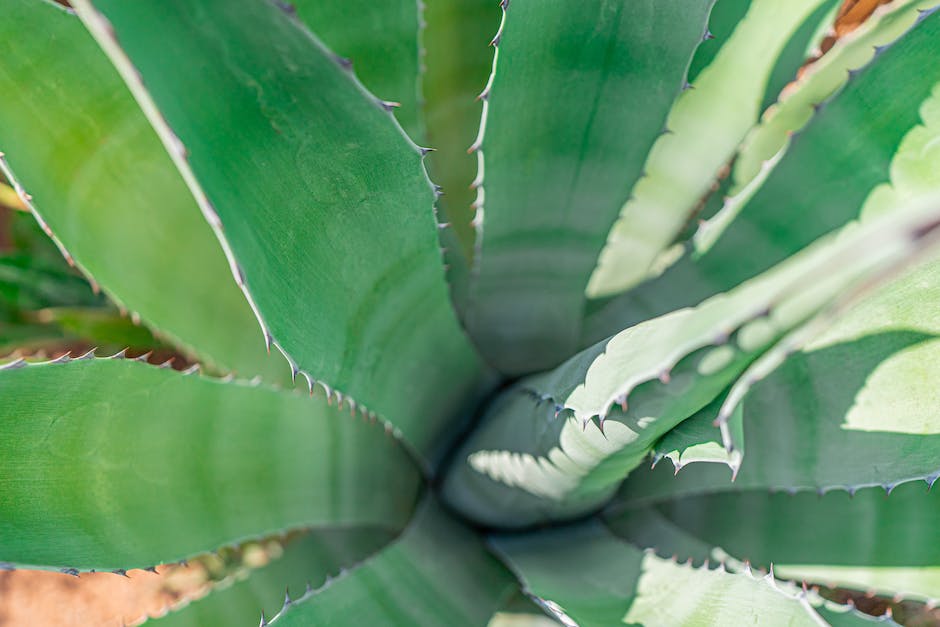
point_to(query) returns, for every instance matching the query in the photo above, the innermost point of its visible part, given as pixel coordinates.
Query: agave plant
(682, 241)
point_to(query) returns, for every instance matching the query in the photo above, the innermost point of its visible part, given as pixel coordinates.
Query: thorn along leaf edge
(103, 32)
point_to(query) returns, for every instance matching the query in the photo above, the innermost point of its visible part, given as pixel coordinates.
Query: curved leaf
(706, 126)
(319, 198)
(866, 541)
(799, 102)
(457, 61)
(865, 385)
(538, 456)
(111, 464)
(437, 573)
(590, 577)
(307, 561)
(820, 183)
(380, 39)
(100, 182)
(579, 93)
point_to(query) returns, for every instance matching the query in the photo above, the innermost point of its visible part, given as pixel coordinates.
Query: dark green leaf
(437, 573)
(380, 39)
(309, 560)
(578, 96)
(867, 542)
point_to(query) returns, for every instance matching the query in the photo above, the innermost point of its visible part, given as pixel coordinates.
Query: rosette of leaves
(671, 238)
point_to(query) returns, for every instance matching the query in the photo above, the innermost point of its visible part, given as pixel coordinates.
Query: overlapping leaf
(706, 125)
(307, 562)
(437, 573)
(578, 95)
(319, 198)
(821, 181)
(867, 541)
(588, 576)
(380, 39)
(113, 464)
(101, 183)
(537, 454)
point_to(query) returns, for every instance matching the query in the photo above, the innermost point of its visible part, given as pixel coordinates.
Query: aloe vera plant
(681, 244)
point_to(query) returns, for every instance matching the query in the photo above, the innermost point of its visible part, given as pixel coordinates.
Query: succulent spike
(13, 365)
(287, 7)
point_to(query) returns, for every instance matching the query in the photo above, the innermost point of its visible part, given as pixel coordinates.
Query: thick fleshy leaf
(854, 408)
(914, 173)
(101, 183)
(589, 576)
(538, 455)
(706, 125)
(457, 61)
(578, 95)
(380, 39)
(820, 182)
(886, 343)
(319, 198)
(805, 44)
(798, 103)
(437, 573)
(307, 561)
(867, 542)
(109, 464)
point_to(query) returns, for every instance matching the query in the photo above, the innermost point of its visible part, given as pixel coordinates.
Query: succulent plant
(698, 233)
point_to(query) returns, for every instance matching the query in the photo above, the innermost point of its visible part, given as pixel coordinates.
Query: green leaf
(706, 126)
(866, 542)
(28, 283)
(101, 326)
(457, 60)
(307, 561)
(837, 412)
(696, 439)
(914, 173)
(102, 185)
(818, 184)
(578, 95)
(797, 104)
(590, 577)
(437, 573)
(538, 455)
(110, 464)
(335, 245)
(804, 45)
(380, 39)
